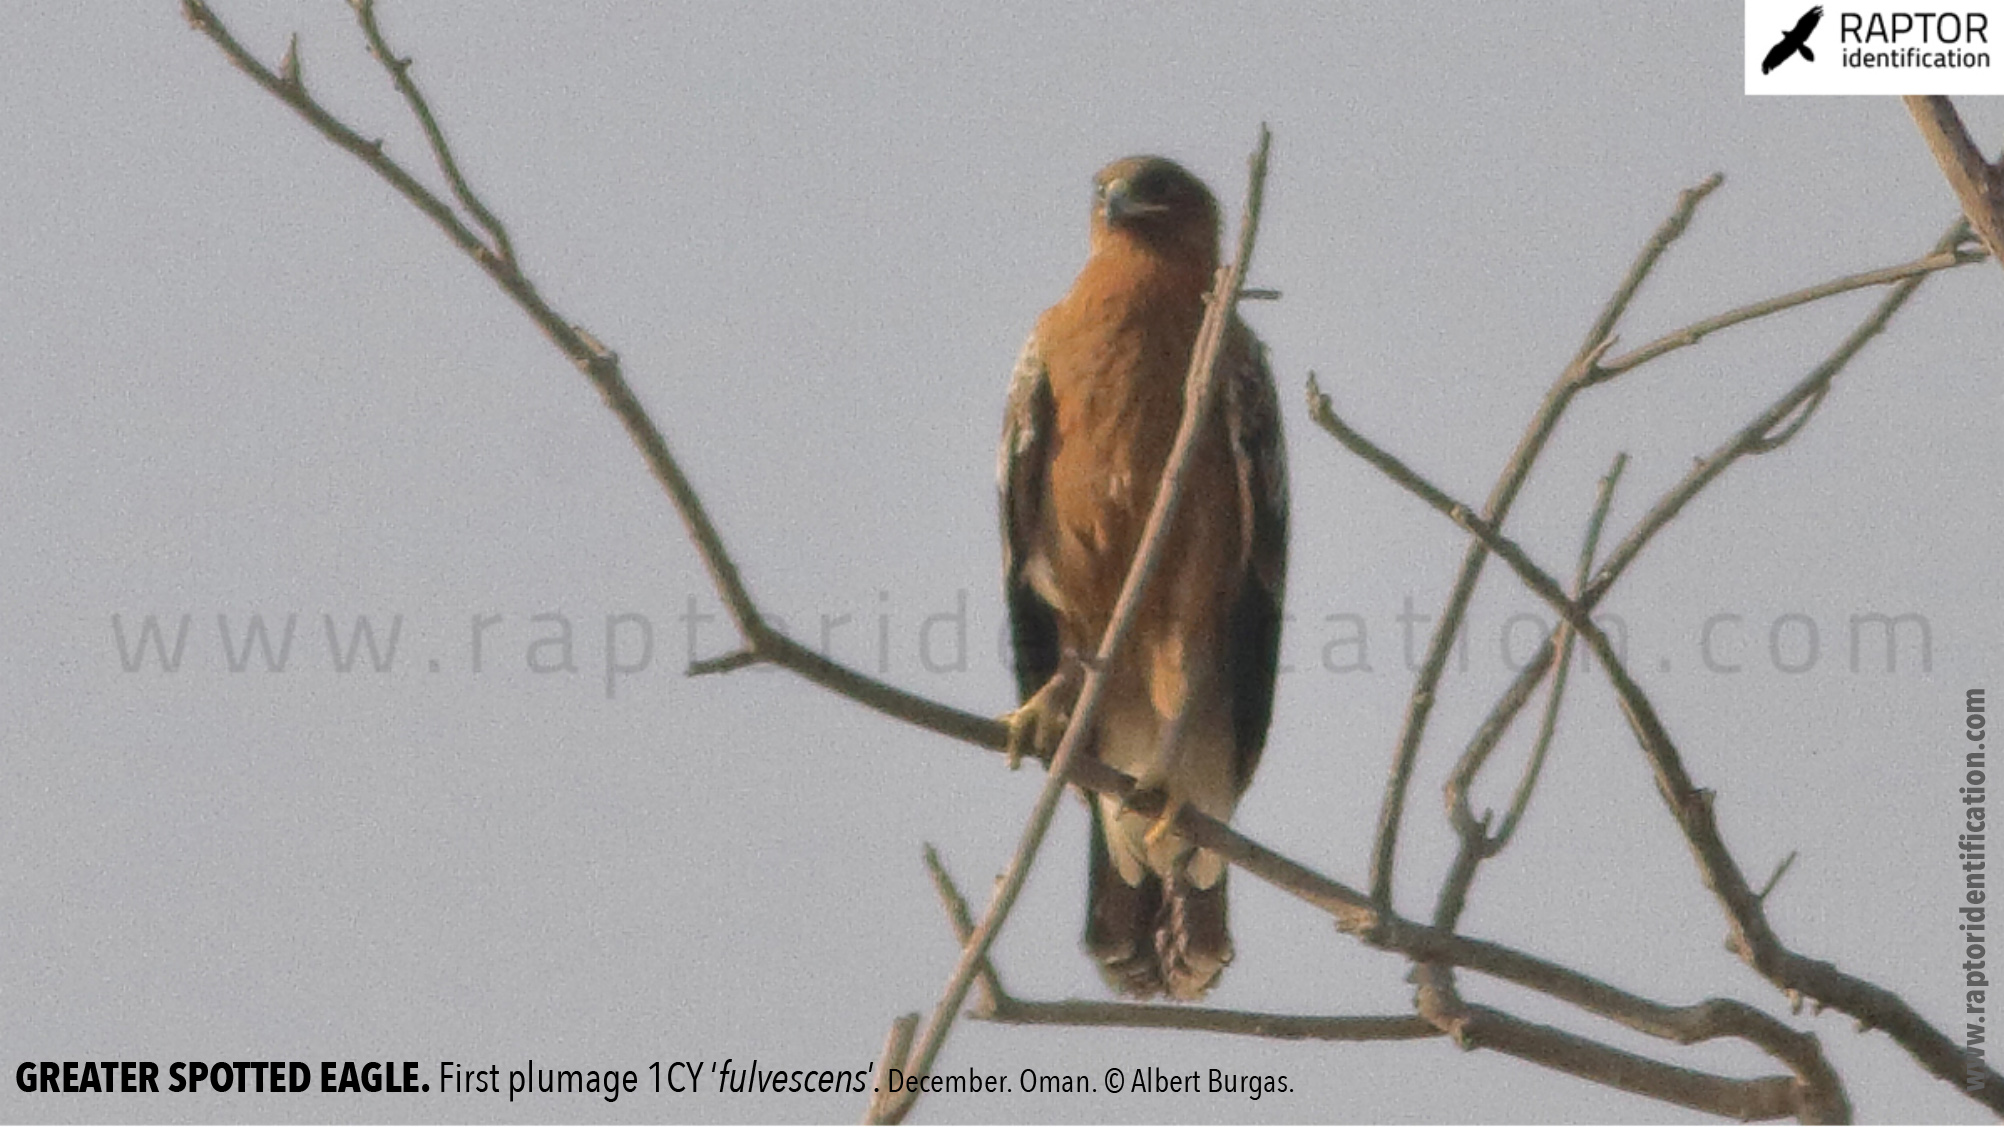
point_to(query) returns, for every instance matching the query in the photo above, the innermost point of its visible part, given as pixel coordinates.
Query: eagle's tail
(1157, 937)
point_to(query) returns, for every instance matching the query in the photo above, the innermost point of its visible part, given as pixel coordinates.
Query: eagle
(1793, 40)
(1094, 404)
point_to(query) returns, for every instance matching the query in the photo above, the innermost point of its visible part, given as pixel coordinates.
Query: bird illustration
(1793, 40)
(1094, 405)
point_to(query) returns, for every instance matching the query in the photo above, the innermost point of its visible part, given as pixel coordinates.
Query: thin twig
(1697, 331)
(1200, 395)
(1638, 272)
(1548, 725)
(897, 1047)
(399, 69)
(963, 929)
(289, 88)
(1477, 754)
(1780, 871)
(1477, 843)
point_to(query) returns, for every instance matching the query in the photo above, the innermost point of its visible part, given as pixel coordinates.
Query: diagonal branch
(601, 366)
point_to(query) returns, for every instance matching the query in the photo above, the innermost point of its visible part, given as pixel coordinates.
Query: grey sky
(245, 378)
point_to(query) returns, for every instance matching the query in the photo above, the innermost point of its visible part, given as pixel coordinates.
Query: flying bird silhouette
(1094, 406)
(1793, 40)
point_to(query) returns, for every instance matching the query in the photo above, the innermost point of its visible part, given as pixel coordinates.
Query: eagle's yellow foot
(1038, 726)
(1165, 823)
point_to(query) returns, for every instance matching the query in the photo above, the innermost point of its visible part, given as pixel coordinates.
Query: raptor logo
(1793, 40)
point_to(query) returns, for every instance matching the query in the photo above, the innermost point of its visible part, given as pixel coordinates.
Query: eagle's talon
(1165, 823)
(1026, 734)
(1038, 726)
(1012, 746)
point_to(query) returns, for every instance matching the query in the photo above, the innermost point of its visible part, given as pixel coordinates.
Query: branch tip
(735, 660)
(288, 65)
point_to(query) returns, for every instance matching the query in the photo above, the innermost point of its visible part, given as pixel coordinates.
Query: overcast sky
(245, 378)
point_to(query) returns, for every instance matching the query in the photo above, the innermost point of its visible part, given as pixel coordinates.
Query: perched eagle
(1094, 405)
(1793, 40)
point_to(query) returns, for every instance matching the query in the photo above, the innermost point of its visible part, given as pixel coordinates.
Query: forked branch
(1978, 184)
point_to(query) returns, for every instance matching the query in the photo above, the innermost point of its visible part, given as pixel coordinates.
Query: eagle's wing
(1259, 455)
(1021, 466)
(1806, 24)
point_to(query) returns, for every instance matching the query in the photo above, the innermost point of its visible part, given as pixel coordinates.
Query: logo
(1794, 41)
(1873, 47)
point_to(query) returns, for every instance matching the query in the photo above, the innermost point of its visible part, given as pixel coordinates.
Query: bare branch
(1003, 1008)
(288, 88)
(963, 929)
(1697, 331)
(1577, 374)
(399, 70)
(601, 366)
(1762, 434)
(1638, 272)
(1203, 1019)
(1477, 753)
(1979, 186)
(1480, 1027)
(1779, 423)
(1751, 936)
(1477, 844)
(1589, 545)
(897, 1047)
